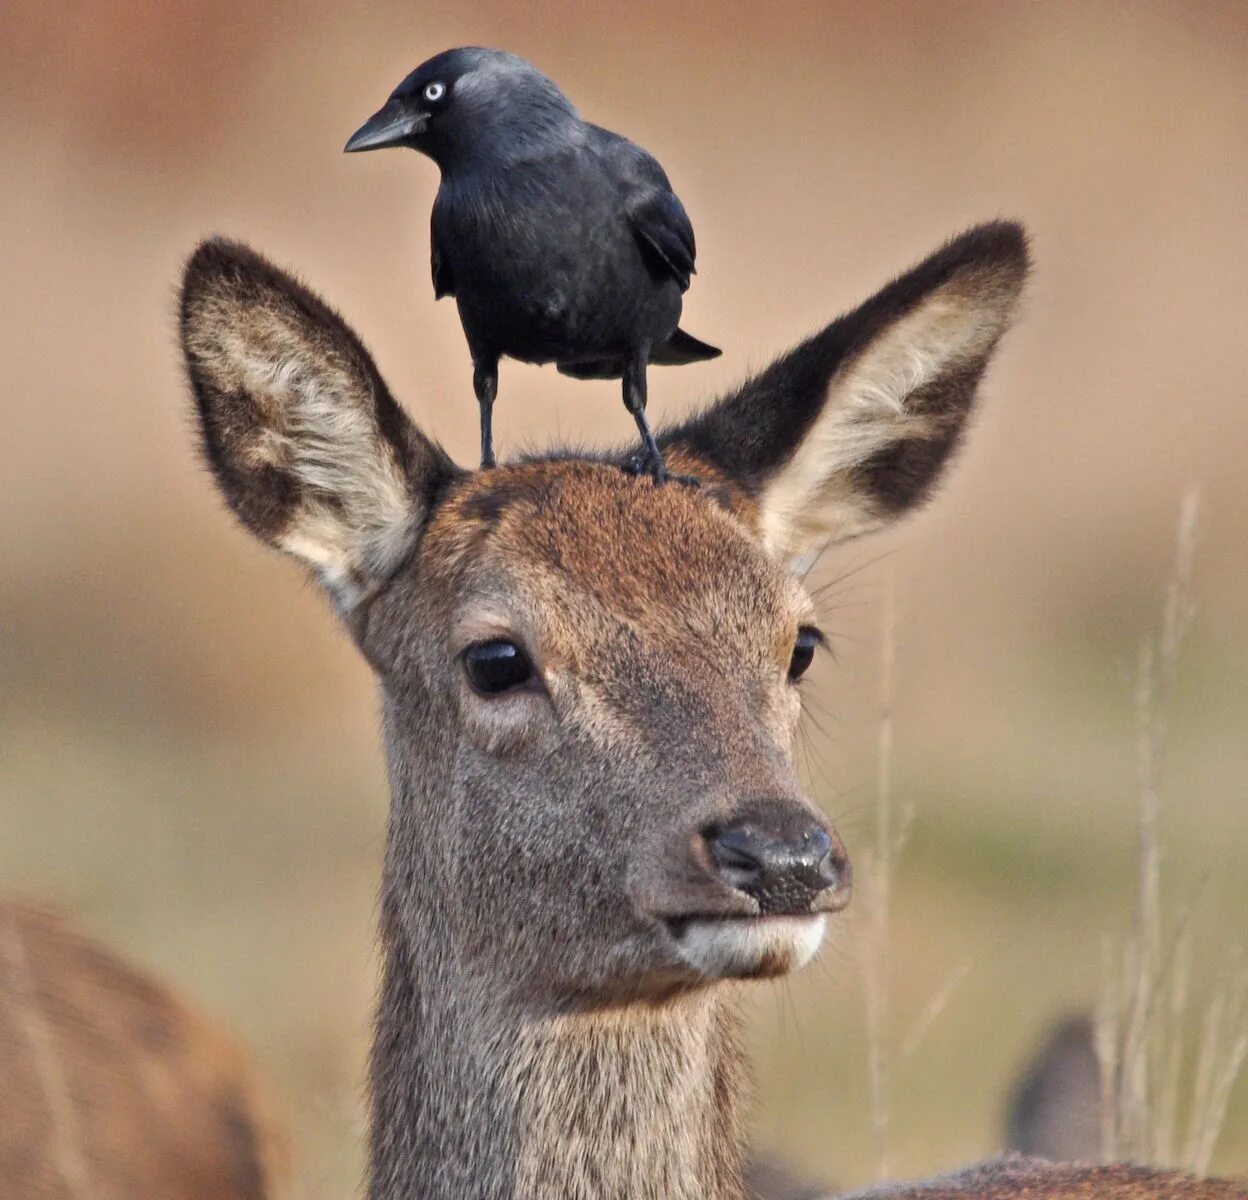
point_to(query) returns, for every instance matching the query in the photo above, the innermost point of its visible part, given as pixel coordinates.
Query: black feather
(665, 233)
(682, 348)
(443, 282)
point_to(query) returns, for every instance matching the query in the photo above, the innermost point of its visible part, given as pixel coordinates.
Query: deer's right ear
(854, 427)
(304, 439)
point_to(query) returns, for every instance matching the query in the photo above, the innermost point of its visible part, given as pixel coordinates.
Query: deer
(116, 1087)
(113, 1087)
(589, 686)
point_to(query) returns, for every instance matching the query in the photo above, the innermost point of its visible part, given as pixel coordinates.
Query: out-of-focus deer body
(589, 691)
(111, 1088)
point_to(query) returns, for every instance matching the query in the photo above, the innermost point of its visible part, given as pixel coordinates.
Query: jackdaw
(561, 242)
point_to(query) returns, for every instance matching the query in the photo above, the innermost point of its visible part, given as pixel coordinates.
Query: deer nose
(784, 869)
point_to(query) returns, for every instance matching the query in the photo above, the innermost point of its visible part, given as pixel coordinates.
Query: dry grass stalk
(1170, 1080)
(1142, 1015)
(892, 830)
(1108, 1041)
(931, 1011)
(1223, 1048)
(883, 862)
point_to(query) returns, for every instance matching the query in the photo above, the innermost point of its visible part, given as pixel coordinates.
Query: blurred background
(188, 751)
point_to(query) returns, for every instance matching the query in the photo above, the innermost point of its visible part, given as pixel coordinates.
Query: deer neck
(475, 1098)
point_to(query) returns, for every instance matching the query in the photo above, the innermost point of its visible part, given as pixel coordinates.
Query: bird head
(469, 103)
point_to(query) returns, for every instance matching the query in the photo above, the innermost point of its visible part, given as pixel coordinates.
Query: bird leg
(651, 457)
(485, 384)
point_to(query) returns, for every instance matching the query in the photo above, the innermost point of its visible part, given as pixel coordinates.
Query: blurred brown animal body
(111, 1088)
(588, 694)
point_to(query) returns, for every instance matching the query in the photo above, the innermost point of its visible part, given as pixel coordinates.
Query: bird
(559, 240)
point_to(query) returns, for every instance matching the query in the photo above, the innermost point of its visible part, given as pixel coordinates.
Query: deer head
(590, 684)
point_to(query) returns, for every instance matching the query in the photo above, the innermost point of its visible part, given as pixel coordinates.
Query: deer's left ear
(853, 428)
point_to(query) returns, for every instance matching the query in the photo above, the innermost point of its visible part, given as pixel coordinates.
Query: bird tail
(683, 348)
(679, 349)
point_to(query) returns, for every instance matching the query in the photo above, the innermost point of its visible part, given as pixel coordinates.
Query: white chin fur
(743, 948)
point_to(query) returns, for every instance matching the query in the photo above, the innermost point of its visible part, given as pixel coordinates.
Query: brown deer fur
(556, 1017)
(1036, 1179)
(111, 1088)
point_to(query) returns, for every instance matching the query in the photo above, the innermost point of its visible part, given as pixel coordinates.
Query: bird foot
(653, 465)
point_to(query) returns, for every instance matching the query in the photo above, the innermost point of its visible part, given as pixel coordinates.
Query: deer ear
(305, 441)
(853, 428)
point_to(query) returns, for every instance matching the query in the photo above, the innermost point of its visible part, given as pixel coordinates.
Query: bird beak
(394, 125)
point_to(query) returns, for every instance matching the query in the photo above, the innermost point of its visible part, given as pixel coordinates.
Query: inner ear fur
(304, 439)
(855, 426)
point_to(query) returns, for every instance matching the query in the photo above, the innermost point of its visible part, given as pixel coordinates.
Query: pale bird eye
(434, 92)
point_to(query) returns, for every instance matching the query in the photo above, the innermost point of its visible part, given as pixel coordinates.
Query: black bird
(561, 242)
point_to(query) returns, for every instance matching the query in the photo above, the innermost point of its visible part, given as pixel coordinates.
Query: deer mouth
(753, 947)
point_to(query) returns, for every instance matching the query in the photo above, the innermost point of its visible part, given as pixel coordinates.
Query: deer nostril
(783, 869)
(736, 853)
(834, 866)
(836, 876)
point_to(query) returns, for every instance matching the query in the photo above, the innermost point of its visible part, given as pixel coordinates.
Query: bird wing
(663, 229)
(658, 218)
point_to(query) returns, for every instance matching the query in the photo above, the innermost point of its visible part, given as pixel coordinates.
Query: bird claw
(642, 463)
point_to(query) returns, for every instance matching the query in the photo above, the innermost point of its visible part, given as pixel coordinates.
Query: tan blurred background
(188, 756)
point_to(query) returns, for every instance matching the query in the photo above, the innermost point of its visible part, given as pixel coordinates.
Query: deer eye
(434, 92)
(496, 666)
(809, 639)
